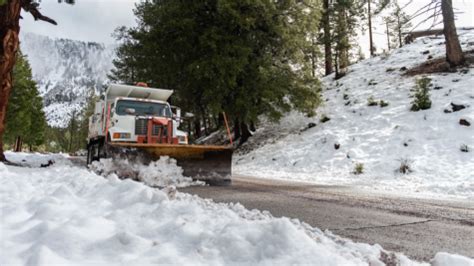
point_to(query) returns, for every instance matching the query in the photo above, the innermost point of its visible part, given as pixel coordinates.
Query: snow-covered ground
(378, 137)
(67, 215)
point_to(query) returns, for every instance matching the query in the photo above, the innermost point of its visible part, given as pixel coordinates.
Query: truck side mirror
(188, 115)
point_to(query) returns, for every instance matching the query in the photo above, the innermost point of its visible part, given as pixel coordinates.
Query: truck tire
(89, 153)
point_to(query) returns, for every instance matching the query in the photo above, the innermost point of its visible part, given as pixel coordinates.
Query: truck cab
(136, 114)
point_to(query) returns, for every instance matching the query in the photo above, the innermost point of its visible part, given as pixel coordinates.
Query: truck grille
(141, 127)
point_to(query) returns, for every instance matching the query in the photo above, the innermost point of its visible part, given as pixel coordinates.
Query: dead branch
(32, 8)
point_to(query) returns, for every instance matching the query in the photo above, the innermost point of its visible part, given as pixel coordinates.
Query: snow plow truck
(137, 123)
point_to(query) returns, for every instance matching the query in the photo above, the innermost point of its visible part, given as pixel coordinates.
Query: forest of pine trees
(245, 58)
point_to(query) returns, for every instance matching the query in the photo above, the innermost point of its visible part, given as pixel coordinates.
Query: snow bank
(379, 137)
(67, 215)
(161, 173)
(36, 159)
(443, 258)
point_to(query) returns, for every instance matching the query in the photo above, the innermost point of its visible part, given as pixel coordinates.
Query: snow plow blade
(211, 164)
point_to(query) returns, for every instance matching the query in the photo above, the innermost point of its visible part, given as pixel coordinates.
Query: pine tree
(326, 25)
(224, 55)
(374, 8)
(25, 119)
(346, 17)
(398, 22)
(444, 8)
(454, 54)
(9, 42)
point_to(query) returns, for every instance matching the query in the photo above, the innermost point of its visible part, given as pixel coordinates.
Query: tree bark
(399, 26)
(372, 51)
(236, 129)
(388, 36)
(327, 39)
(244, 129)
(197, 128)
(454, 54)
(9, 30)
(18, 144)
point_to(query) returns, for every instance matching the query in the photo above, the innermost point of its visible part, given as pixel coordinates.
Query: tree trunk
(252, 126)
(388, 36)
(399, 32)
(313, 58)
(236, 129)
(454, 54)
(18, 144)
(327, 39)
(197, 128)
(344, 52)
(336, 64)
(245, 133)
(372, 51)
(9, 30)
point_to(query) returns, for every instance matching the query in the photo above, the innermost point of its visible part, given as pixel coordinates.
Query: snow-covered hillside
(66, 72)
(379, 138)
(67, 215)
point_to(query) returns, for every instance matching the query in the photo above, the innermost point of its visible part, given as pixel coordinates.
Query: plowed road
(419, 228)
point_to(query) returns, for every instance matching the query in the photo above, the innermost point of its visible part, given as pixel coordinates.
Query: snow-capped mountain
(66, 71)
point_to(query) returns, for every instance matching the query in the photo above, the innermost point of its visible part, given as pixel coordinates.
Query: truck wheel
(89, 154)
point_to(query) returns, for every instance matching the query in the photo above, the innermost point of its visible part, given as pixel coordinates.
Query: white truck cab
(124, 114)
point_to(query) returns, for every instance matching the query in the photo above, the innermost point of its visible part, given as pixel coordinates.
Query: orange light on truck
(121, 135)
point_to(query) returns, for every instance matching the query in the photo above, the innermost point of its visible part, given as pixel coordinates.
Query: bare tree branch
(32, 8)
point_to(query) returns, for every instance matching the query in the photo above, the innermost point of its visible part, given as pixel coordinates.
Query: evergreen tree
(345, 19)
(246, 58)
(327, 37)
(9, 45)
(398, 22)
(25, 119)
(374, 8)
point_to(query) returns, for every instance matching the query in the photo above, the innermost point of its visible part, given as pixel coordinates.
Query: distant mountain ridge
(66, 71)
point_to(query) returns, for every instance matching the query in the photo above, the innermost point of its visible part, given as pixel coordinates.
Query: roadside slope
(379, 138)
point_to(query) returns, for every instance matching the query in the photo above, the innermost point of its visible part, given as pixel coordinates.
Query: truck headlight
(122, 135)
(183, 139)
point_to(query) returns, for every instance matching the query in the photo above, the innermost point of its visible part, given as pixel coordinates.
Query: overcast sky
(91, 20)
(87, 20)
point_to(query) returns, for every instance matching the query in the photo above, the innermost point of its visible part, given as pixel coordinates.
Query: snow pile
(36, 159)
(443, 258)
(380, 138)
(161, 173)
(65, 215)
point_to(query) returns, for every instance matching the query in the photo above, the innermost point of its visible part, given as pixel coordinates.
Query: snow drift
(70, 216)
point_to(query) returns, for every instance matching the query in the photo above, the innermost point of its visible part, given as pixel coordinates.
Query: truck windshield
(143, 108)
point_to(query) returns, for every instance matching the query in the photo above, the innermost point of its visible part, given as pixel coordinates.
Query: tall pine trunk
(246, 134)
(399, 27)
(454, 54)
(372, 51)
(18, 144)
(327, 39)
(388, 35)
(9, 30)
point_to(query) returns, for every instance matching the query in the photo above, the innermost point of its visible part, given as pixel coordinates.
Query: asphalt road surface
(419, 228)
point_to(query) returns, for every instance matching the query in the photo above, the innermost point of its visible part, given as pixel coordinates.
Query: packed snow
(437, 148)
(36, 159)
(68, 215)
(161, 173)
